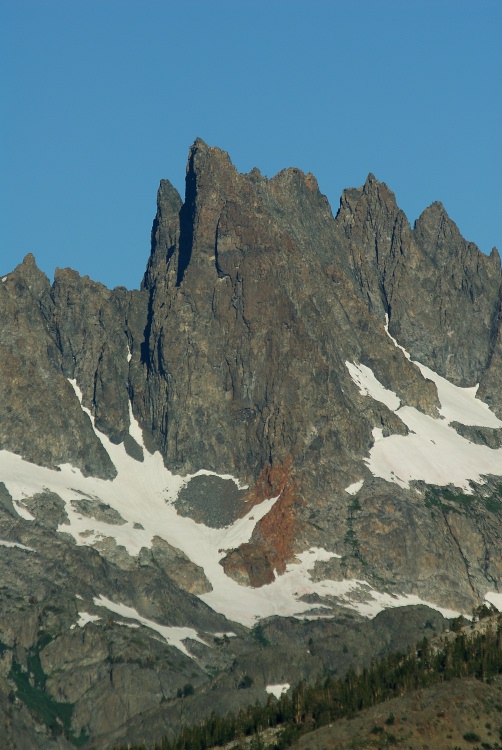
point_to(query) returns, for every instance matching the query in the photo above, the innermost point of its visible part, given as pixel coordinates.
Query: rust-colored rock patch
(256, 562)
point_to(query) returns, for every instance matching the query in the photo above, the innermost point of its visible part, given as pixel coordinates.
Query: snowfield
(432, 451)
(144, 493)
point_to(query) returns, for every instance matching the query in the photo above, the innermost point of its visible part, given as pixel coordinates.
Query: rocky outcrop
(40, 416)
(442, 295)
(251, 321)
(97, 331)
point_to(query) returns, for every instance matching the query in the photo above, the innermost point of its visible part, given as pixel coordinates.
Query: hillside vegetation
(455, 659)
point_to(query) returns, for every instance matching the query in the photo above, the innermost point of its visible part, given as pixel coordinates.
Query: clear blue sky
(102, 98)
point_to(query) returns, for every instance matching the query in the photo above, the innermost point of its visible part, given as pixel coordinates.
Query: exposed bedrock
(233, 354)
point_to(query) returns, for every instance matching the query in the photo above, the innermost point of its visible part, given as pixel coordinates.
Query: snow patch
(22, 511)
(84, 618)
(398, 346)
(278, 690)
(368, 385)
(353, 489)
(78, 392)
(144, 493)
(460, 404)
(432, 451)
(457, 404)
(5, 543)
(494, 598)
(174, 636)
(4, 278)
(377, 601)
(135, 430)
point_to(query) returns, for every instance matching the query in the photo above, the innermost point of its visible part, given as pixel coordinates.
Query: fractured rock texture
(233, 355)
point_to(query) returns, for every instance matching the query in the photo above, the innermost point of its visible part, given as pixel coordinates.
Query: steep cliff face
(440, 292)
(96, 331)
(256, 428)
(252, 316)
(40, 417)
(258, 297)
(235, 354)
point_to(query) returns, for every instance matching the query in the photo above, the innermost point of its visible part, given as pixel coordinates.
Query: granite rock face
(40, 416)
(442, 295)
(234, 360)
(255, 293)
(258, 296)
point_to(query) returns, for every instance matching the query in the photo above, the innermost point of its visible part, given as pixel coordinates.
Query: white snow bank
(84, 618)
(174, 636)
(135, 430)
(283, 596)
(353, 489)
(143, 493)
(460, 404)
(22, 511)
(378, 601)
(433, 451)
(278, 690)
(457, 404)
(494, 598)
(4, 543)
(368, 385)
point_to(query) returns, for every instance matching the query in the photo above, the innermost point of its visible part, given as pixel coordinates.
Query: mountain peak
(434, 225)
(202, 156)
(495, 256)
(256, 414)
(31, 275)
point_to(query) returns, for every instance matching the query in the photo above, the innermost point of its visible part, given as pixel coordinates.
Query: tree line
(308, 707)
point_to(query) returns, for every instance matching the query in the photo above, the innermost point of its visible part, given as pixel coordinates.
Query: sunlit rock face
(442, 295)
(284, 421)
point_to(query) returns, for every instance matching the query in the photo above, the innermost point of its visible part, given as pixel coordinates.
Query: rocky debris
(111, 678)
(175, 564)
(93, 508)
(211, 500)
(48, 509)
(258, 561)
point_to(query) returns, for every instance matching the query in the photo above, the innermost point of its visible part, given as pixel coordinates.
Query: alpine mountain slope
(290, 436)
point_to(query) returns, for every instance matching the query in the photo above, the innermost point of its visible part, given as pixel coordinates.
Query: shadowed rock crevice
(187, 217)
